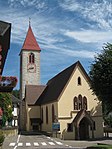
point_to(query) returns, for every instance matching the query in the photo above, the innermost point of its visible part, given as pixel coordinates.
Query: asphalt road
(42, 141)
(33, 142)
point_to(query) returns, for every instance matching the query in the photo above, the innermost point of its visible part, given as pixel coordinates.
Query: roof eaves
(8, 26)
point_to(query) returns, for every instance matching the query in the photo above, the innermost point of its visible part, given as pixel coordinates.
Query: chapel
(65, 106)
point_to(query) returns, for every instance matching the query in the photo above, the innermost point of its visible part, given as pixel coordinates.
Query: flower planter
(6, 88)
(7, 83)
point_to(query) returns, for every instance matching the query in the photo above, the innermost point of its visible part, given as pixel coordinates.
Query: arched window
(46, 115)
(31, 58)
(42, 114)
(80, 102)
(75, 103)
(53, 113)
(79, 81)
(85, 102)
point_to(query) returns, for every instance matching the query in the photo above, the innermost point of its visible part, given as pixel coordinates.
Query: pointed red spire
(30, 42)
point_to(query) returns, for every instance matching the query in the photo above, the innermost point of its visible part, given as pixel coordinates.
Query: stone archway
(82, 122)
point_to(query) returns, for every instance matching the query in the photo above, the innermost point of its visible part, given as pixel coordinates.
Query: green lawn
(100, 147)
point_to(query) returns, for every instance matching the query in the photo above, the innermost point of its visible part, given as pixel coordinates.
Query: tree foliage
(6, 105)
(16, 93)
(101, 76)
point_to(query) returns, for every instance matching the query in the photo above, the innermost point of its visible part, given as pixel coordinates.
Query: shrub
(1, 138)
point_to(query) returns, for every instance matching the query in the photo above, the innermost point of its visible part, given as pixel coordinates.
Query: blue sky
(66, 31)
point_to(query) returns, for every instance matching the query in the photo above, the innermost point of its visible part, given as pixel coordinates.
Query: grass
(100, 147)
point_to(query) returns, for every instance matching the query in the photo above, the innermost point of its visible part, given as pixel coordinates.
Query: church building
(65, 106)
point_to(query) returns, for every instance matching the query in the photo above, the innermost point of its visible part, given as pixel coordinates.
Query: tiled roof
(33, 92)
(30, 42)
(56, 85)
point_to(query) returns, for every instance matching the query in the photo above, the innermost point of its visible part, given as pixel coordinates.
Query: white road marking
(51, 143)
(20, 144)
(36, 144)
(18, 138)
(28, 144)
(43, 143)
(17, 141)
(15, 147)
(59, 143)
(12, 144)
(66, 145)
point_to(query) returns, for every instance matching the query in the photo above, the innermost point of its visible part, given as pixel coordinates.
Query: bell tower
(29, 62)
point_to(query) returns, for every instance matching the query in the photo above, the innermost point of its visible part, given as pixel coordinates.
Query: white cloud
(42, 27)
(38, 4)
(80, 53)
(90, 36)
(47, 29)
(71, 5)
(99, 12)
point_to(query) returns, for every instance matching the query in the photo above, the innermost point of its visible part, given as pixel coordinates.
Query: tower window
(79, 81)
(31, 58)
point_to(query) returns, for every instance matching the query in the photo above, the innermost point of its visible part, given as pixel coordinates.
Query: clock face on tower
(31, 68)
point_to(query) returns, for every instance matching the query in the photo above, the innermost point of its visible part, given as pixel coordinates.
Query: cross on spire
(29, 21)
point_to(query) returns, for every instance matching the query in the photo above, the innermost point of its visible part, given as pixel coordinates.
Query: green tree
(16, 93)
(101, 77)
(6, 105)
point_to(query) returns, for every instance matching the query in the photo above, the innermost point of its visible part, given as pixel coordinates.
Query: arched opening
(84, 129)
(84, 103)
(82, 122)
(46, 115)
(53, 113)
(79, 81)
(31, 58)
(79, 102)
(42, 114)
(75, 103)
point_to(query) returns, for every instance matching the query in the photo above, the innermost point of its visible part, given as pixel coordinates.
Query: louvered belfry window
(31, 58)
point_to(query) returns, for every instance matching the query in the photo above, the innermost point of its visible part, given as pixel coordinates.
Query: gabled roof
(56, 85)
(30, 42)
(33, 92)
(80, 115)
